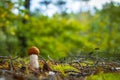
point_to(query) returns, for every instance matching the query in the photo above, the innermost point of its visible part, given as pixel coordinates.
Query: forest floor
(77, 68)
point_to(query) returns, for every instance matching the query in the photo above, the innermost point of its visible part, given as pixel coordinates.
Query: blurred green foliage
(105, 76)
(59, 35)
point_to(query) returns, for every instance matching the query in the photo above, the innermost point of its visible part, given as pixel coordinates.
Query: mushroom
(33, 53)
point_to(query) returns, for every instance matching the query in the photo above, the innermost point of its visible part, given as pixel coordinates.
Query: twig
(8, 57)
(4, 57)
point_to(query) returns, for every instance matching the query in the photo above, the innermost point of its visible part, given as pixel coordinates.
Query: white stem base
(34, 61)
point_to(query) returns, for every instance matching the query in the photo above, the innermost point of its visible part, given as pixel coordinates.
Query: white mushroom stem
(34, 61)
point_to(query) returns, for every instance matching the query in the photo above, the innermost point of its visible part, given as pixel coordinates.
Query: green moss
(106, 76)
(62, 68)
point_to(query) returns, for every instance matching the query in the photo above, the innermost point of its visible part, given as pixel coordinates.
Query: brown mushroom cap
(33, 50)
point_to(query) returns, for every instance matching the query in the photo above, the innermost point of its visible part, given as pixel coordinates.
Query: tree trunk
(22, 38)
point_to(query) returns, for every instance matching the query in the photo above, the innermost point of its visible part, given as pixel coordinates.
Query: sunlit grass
(106, 76)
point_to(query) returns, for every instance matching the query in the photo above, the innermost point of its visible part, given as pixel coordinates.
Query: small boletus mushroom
(33, 53)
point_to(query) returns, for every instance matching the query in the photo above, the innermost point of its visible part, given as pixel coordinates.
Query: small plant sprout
(33, 53)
